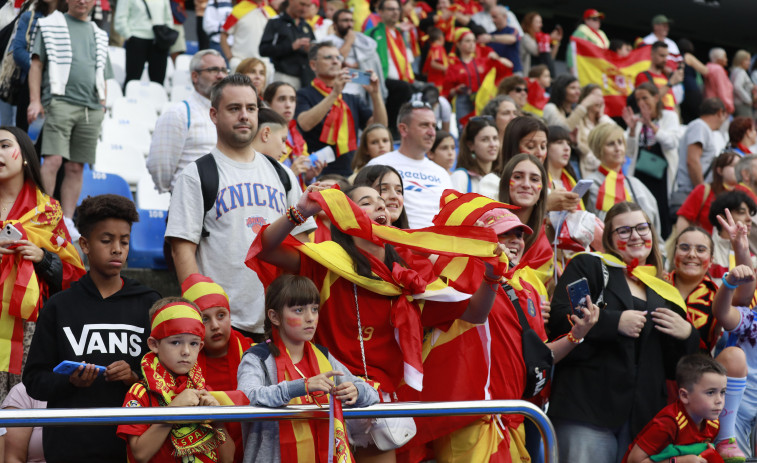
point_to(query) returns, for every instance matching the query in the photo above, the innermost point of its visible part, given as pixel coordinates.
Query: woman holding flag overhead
(613, 382)
(374, 303)
(33, 267)
(611, 186)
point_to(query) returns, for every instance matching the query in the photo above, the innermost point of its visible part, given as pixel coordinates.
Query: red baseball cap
(592, 13)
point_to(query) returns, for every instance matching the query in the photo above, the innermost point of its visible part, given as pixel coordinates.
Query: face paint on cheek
(648, 244)
(16, 154)
(539, 187)
(705, 262)
(622, 245)
(294, 322)
(512, 182)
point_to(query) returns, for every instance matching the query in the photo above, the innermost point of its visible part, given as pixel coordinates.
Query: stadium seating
(148, 196)
(126, 131)
(113, 92)
(123, 159)
(146, 243)
(147, 91)
(118, 63)
(136, 110)
(99, 183)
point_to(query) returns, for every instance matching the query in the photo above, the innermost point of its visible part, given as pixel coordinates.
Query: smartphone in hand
(577, 291)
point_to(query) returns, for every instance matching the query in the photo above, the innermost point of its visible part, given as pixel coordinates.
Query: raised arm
(722, 307)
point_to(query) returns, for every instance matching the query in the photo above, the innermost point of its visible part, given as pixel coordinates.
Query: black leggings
(141, 51)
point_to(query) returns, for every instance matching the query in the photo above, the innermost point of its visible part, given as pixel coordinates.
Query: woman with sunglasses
(613, 382)
(479, 149)
(564, 108)
(516, 87)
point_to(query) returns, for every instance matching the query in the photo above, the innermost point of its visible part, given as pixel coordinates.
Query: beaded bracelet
(572, 339)
(492, 280)
(726, 284)
(295, 216)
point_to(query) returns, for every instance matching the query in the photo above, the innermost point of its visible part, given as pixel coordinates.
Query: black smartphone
(577, 291)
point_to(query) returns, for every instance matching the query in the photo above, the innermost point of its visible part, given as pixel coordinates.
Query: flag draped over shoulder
(451, 241)
(39, 218)
(241, 10)
(614, 74)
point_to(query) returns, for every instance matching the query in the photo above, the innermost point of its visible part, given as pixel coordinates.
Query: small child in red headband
(172, 378)
(224, 346)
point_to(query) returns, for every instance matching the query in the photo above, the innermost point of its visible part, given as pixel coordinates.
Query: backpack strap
(281, 172)
(189, 116)
(207, 169)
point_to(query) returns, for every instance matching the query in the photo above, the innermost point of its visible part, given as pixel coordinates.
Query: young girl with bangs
(291, 370)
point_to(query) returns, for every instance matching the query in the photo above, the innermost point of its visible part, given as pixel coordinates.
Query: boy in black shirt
(102, 319)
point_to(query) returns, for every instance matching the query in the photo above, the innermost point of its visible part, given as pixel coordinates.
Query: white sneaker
(72, 229)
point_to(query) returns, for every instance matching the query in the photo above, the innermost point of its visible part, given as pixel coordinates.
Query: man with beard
(249, 192)
(185, 132)
(357, 49)
(424, 180)
(322, 102)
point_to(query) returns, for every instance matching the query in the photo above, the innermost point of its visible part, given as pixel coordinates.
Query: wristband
(492, 280)
(295, 216)
(573, 340)
(726, 284)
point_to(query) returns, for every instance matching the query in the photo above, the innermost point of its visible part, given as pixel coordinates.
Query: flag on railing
(339, 445)
(614, 74)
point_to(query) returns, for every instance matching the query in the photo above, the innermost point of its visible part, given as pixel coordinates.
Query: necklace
(4, 207)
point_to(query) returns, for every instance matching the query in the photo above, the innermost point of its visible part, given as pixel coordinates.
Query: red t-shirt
(338, 328)
(672, 425)
(695, 211)
(139, 397)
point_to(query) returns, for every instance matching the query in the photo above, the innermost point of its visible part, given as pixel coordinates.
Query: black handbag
(537, 355)
(165, 36)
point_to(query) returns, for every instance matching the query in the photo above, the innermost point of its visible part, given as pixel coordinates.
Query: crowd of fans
(318, 195)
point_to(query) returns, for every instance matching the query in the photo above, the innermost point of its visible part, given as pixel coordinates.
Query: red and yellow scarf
(301, 440)
(241, 10)
(198, 440)
(339, 126)
(397, 51)
(39, 218)
(613, 189)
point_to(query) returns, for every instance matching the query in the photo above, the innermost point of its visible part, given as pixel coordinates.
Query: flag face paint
(294, 322)
(648, 244)
(16, 154)
(622, 245)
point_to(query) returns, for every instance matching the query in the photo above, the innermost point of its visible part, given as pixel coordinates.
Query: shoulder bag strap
(147, 8)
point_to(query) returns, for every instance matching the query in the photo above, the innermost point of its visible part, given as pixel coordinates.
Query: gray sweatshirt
(261, 438)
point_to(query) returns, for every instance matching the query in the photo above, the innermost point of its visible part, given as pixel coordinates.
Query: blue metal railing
(114, 416)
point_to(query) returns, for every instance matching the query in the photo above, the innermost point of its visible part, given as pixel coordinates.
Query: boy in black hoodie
(102, 319)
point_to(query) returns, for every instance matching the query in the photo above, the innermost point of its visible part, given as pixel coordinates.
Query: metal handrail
(149, 415)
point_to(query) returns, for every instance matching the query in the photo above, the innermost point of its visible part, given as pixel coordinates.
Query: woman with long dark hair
(479, 150)
(44, 256)
(563, 107)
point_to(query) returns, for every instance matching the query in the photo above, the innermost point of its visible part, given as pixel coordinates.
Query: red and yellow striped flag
(613, 190)
(614, 74)
(537, 98)
(238, 12)
(40, 220)
(339, 126)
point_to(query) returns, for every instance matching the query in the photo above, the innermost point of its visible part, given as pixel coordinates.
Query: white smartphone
(582, 187)
(10, 233)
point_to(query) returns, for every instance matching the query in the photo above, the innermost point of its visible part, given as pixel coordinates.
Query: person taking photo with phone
(327, 116)
(613, 383)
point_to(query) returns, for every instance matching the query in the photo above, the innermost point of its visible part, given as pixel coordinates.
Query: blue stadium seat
(99, 183)
(146, 244)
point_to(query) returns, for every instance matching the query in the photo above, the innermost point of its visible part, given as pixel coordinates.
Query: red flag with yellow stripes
(339, 126)
(39, 218)
(614, 74)
(537, 98)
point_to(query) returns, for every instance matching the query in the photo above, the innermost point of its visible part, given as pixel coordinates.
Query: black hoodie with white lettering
(79, 325)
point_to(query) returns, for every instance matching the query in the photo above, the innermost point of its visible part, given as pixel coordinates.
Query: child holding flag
(289, 369)
(172, 378)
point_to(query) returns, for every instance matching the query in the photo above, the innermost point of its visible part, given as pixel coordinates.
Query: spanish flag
(488, 88)
(615, 75)
(339, 125)
(613, 190)
(244, 7)
(39, 218)
(537, 99)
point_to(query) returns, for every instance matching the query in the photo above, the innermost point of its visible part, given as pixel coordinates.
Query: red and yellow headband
(204, 292)
(177, 318)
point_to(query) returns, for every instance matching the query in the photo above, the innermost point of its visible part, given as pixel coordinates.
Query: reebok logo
(106, 338)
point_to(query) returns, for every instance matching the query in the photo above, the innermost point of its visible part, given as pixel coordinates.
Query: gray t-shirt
(80, 87)
(697, 132)
(250, 195)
